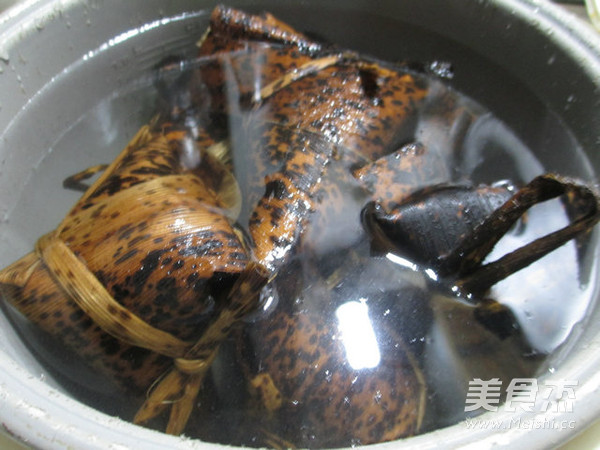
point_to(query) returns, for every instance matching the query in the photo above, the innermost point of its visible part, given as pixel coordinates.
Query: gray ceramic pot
(533, 66)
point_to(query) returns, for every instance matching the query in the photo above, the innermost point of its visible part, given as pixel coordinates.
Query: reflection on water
(357, 334)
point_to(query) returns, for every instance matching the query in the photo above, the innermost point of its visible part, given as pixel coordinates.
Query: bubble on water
(441, 69)
(569, 102)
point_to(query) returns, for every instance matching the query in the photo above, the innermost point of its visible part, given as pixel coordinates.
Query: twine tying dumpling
(92, 297)
(180, 387)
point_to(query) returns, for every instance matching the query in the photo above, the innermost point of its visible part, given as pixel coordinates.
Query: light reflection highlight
(431, 274)
(402, 261)
(358, 336)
